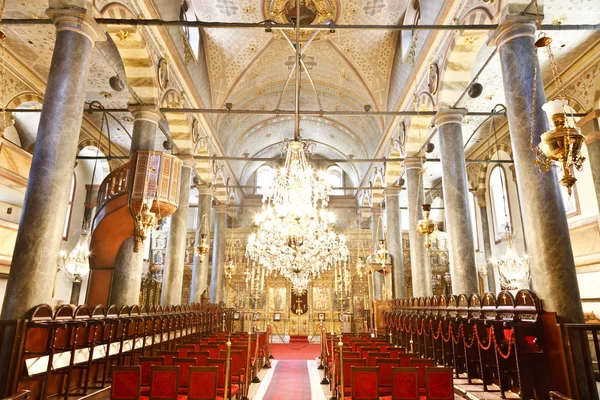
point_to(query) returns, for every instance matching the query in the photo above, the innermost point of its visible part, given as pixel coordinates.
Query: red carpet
(290, 381)
(295, 351)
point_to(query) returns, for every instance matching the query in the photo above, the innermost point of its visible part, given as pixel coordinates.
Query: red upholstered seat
(220, 364)
(203, 383)
(405, 359)
(184, 365)
(350, 354)
(405, 384)
(164, 381)
(365, 383)
(213, 350)
(439, 383)
(374, 355)
(385, 374)
(421, 365)
(348, 364)
(125, 383)
(394, 351)
(184, 349)
(146, 364)
(201, 357)
(364, 351)
(168, 356)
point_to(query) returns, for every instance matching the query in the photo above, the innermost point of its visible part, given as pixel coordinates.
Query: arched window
(69, 209)
(335, 177)
(499, 198)
(473, 215)
(264, 178)
(192, 35)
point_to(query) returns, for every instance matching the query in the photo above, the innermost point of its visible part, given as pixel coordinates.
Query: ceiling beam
(272, 25)
(408, 113)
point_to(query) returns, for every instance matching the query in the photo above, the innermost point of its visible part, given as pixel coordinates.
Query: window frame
(258, 187)
(497, 237)
(339, 173)
(69, 214)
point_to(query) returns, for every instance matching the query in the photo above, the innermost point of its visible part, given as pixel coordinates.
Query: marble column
(175, 258)
(145, 123)
(590, 127)
(553, 275)
(487, 244)
(376, 235)
(419, 259)
(217, 281)
(129, 265)
(461, 249)
(394, 234)
(34, 262)
(200, 268)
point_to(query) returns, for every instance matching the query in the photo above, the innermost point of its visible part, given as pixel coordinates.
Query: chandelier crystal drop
(295, 236)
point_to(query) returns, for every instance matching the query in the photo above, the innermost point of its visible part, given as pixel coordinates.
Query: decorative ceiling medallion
(312, 12)
(163, 73)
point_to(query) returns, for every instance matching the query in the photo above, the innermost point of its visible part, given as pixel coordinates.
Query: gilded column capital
(76, 20)
(449, 116)
(512, 27)
(146, 112)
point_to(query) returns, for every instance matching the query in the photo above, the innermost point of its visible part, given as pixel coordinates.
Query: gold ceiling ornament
(203, 247)
(312, 12)
(563, 142)
(426, 226)
(123, 35)
(143, 222)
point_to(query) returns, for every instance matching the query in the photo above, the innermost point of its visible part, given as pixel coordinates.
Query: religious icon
(159, 257)
(359, 305)
(308, 12)
(277, 316)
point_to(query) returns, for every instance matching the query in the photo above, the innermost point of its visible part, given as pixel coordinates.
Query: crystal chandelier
(426, 226)
(512, 268)
(295, 236)
(75, 265)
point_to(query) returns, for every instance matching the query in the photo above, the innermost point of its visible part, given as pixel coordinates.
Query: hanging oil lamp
(426, 226)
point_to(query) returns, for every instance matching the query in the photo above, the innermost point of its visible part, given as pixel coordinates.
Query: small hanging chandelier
(512, 268)
(75, 265)
(426, 226)
(562, 143)
(229, 268)
(203, 247)
(382, 252)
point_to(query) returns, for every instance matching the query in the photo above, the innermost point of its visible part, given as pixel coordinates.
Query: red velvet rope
(510, 345)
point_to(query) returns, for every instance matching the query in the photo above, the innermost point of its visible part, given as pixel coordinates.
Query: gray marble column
(461, 249)
(145, 123)
(217, 280)
(200, 268)
(419, 259)
(394, 234)
(590, 127)
(487, 244)
(34, 262)
(553, 275)
(129, 265)
(175, 258)
(376, 235)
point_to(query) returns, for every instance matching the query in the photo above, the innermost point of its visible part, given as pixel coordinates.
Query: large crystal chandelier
(295, 236)
(512, 268)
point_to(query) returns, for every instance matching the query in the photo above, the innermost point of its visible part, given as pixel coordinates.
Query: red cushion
(440, 385)
(164, 385)
(366, 385)
(406, 386)
(124, 385)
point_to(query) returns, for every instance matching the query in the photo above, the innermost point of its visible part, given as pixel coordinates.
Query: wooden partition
(508, 341)
(69, 352)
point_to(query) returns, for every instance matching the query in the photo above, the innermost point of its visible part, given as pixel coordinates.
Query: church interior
(299, 199)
